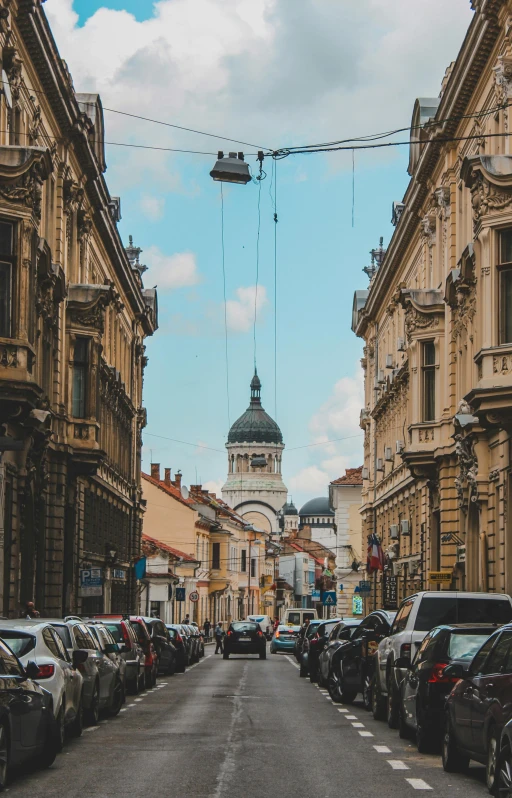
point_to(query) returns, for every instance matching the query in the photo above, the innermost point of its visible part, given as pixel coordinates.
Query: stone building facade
(437, 325)
(74, 315)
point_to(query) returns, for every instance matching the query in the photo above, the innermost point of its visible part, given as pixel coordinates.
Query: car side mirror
(79, 657)
(31, 670)
(454, 671)
(111, 648)
(403, 662)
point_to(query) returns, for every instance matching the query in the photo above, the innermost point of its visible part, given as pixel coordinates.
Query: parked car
(175, 633)
(479, 706)
(193, 643)
(265, 622)
(28, 730)
(342, 632)
(503, 781)
(163, 644)
(188, 641)
(111, 667)
(417, 615)
(151, 658)
(284, 639)
(299, 643)
(200, 633)
(36, 641)
(198, 640)
(425, 686)
(245, 637)
(129, 649)
(314, 643)
(353, 664)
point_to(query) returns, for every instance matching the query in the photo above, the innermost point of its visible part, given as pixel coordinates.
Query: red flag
(375, 558)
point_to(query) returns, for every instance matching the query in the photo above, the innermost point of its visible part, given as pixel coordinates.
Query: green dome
(255, 426)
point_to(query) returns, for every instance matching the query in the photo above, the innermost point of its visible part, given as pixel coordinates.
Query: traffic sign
(329, 598)
(91, 582)
(365, 586)
(180, 594)
(194, 596)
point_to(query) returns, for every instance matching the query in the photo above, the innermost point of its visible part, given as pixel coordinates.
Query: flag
(375, 558)
(140, 568)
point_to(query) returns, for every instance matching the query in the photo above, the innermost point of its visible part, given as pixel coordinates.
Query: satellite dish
(6, 87)
(184, 491)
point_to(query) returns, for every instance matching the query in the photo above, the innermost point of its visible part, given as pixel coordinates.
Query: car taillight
(314, 640)
(126, 636)
(229, 634)
(179, 638)
(405, 650)
(46, 671)
(437, 675)
(260, 633)
(278, 634)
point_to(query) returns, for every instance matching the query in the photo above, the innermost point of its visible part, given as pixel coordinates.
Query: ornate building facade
(437, 325)
(73, 318)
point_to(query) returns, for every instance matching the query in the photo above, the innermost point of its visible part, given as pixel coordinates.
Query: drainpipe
(375, 459)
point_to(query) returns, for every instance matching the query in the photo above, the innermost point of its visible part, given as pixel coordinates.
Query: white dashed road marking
(289, 660)
(419, 784)
(351, 717)
(358, 725)
(365, 734)
(382, 749)
(342, 709)
(397, 764)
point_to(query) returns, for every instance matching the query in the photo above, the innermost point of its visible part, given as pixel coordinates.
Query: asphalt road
(242, 727)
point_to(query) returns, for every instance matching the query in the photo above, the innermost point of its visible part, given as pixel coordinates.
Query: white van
(265, 623)
(296, 617)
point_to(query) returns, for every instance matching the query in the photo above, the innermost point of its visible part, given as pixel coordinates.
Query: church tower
(255, 487)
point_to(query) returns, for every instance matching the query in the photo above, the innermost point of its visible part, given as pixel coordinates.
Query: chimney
(177, 479)
(155, 471)
(167, 478)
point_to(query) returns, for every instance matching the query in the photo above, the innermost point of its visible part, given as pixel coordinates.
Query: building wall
(169, 521)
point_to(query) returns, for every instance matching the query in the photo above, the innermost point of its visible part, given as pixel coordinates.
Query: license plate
(245, 639)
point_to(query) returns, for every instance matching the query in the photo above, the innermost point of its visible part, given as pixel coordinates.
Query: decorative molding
(22, 173)
(494, 475)
(424, 310)
(86, 305)
(9, 356)
(465, 481)
(503, 78)
(489, 177)
(502, 364)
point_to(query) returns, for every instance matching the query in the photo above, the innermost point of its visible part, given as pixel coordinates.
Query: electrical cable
(225, 302)
(257, 274)
(212, 449)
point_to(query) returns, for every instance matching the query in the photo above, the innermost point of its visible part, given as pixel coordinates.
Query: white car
(36, 641)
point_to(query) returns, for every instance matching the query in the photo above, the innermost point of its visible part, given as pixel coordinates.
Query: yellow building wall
(168, 520)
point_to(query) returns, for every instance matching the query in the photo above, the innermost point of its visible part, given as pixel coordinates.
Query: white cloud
(338, 417)
(152, 207)
(265, 71)
(311, 481)
(214, 486)
(171, 271)
(240, 311)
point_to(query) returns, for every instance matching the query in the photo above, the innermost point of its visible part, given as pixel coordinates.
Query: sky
(272, 74)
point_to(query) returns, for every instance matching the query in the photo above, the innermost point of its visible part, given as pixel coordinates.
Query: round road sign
(194, 596)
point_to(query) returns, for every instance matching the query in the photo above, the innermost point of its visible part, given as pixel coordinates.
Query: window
(438, 610)
(497, 660)
(80, 359)
(481, 656)
(20, 643)
(216, 555)
(401, 619)
(6, 278)
(9, 665)
(253, 566)
(243, 566)
(51, 645)
(63, 632)
(429, 381)
(63, 654)
(505, 266)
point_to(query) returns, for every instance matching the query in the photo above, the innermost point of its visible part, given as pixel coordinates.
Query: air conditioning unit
(388, 454)
(393, 531)
(400, 344)
(380, 464)
(405, 528)
(461, 553)
(366, 473)
(389, 361)
(399, 447)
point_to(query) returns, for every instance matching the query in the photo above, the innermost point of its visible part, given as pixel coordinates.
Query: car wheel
(92, 714)
(61, 727)
(4, 755)
(425, 737)
(225, 655)
(303, 671)
(313, 676)
(367, 692)
(117, 698)
(492, 757)
(263, 655)
(393, 706)
(334, 687)
(404, 732)
(453, 760)
(78, 724)
(378, 702)
(503, 784)
(51, 747)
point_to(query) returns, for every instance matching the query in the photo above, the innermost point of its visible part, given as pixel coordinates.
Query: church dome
(319, 506)
(289, 509)
(255, 426)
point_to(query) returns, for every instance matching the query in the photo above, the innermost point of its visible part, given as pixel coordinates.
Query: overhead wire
(225, 301)
(257, 275)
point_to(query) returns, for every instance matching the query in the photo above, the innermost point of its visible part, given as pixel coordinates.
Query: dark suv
(164, 647)
(176, 635)
(314, 643)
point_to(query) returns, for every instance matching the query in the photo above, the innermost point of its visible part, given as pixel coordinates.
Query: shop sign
(390, 592)
(91, 582)
(357, 605)
(440, 577)
(118, 573)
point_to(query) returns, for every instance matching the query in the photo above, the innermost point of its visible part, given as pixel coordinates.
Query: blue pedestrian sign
(180, 594)
(329, 598)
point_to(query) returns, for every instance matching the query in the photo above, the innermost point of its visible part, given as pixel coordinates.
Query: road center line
(419, 784)
(358, 725)
(227, 768)
(397, 764)
(351, 717)
(365, 734)
(382, 749)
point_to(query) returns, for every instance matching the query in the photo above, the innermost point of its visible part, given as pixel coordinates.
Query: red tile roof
(353, 476)
(170, 549)
(171, 489)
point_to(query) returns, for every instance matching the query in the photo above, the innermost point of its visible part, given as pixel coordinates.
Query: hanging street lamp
(232, 169)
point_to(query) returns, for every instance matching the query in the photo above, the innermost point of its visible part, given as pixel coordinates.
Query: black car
(245, 637)
(425, 686)
(314, 643)
(342, 632)
(353, 664)
(28, 731)
(175, 633)
(164, 647)
(479, 706)
(306, 629)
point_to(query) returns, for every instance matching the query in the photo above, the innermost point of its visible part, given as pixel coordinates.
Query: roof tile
(353, 476)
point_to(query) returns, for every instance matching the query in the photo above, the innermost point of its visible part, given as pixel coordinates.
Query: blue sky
(270, 72)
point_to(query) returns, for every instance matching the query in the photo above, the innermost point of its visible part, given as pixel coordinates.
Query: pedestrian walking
(187, 620)
(219, 637)
(30, 610)
(207, 626)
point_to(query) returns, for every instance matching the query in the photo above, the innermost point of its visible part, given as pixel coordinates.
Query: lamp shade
(232, 169)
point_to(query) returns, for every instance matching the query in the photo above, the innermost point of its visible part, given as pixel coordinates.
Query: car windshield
(20, 643)
(245, 627)
(293, 618)
(440, 610)
(326, 628)
(115, 631)
(465, 646)
(64, 635)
